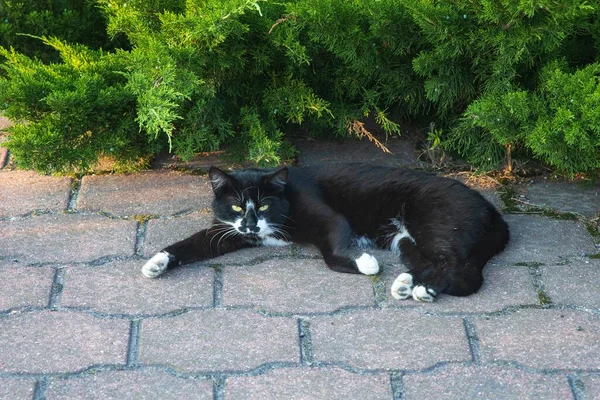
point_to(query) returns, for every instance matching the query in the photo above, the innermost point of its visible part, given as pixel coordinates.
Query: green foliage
(194, 75)
(74, 21)
(70, 113)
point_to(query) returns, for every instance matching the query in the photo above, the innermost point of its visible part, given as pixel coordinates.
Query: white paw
(367, 264)
(402, 287)
(156, 265)
(421, 293)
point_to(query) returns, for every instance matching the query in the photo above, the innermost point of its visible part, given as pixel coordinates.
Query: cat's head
(252, 201)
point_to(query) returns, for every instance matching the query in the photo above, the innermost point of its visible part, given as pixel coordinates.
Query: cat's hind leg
(335, 241)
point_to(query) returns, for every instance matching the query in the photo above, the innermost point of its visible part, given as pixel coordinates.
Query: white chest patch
(271, 241)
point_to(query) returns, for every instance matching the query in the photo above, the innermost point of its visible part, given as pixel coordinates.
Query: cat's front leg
(206, 244)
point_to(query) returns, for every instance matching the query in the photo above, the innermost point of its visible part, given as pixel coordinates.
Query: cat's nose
(254, 229)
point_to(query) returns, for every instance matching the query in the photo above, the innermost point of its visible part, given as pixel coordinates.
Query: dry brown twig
(280, 20)
(359, 128)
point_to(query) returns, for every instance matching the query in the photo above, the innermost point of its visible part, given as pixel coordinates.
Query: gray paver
(286, 285)
(16, 389)
(22, 192)
(570, 284)
(351, 150)
(542, 338)
(591, 384)
(485, 382)
(309, 384)
(544, 240)
(389, 339)
(503, 287)
(219, 339)
(151, 192)
(29, 286)
(137, 385)
(119, 287)
(47, 341)
(161, 233)
(566, 197)
(66, 238)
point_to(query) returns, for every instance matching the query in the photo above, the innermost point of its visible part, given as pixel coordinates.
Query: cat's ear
(278, 178)
(218, 179)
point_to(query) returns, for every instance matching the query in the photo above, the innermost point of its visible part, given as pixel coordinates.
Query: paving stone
(161, 233)
(25, 286)
(218, 339)
(22, 192)
(503, 287)
(544, 240)
(566, 197)
(558, 339)
(574, 284)
(15, 389)
(139, 385)
(119, 287)
(295, 286)
(351, 150)
(66, 238)
(389, 339)
(164, 232)
(591, 385)
(484, 382)
(309, 384)
(52, 342)
(151, 192)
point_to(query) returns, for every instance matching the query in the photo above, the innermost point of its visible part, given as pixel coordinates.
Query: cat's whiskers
(231, 232)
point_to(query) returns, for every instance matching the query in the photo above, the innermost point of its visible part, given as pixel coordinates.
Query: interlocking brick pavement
(22, 192)
(120, 385)
(77, 320)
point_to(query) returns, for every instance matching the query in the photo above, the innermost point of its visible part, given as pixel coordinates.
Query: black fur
(455, 230)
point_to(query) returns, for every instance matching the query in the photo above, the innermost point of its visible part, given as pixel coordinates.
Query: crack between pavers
(217, 287)
(74, 194)
(271, 366)
(58, 284)
(133, 347)
(219, 388)
(39, 392)
(473, 340)
(577, 387)
(305, 342)
(339, 312)
(397, 384)
(106, 214)
(538, 285)
(140, 237)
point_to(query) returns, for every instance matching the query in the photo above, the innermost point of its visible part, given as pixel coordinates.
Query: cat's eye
(264, 207)
(236, 208)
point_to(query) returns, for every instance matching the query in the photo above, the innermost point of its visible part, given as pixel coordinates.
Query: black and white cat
(444, 231)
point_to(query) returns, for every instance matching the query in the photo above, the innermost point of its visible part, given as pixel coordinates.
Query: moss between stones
(529, 264)
(507, 195)
(141, 218)
(543, 298)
